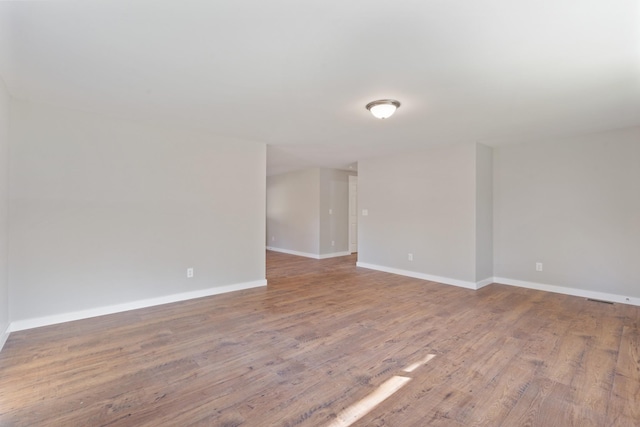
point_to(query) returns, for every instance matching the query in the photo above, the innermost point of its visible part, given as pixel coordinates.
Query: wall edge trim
(485, 282)
(584, 293)
(417, 275)
(5, 336)
(604, 296)
(334, 254)
(20, 325)
(290, 252)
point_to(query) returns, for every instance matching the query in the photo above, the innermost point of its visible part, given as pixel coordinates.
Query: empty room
(287, 213)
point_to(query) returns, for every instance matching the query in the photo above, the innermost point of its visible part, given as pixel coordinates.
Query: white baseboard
(485, 282)
(5, 336)
(290, 252)
(429, 277)
(307, 254)
(334, 254)
(603, 296)
(20, 325)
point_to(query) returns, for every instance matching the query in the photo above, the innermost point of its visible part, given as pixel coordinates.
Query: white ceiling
(297, 74)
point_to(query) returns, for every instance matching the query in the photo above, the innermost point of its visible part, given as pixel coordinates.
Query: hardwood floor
(321, 345)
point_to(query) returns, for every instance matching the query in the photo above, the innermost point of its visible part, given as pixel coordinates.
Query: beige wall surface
(574, 206)
(484, 212)
(103, 211)
(308, 210)
(4, 208)
(334, 198)
(423, 204)
(293, 211)
(106, 211)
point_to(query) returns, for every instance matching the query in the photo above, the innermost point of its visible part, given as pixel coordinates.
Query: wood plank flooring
(317, 344)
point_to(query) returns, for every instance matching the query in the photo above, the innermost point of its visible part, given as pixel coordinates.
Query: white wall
(293, 211)
(106, 212)
(298, 212)
(573, 205)
(423, 204)
(484, 212)
(4, 210)
(334, 196)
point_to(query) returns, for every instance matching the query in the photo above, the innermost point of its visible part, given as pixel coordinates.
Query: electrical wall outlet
(410, 257)
(538, 266)
(365, 212)
(333, 243)
(189, 272)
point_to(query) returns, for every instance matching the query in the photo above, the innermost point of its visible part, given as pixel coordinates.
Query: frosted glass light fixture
(383, 108)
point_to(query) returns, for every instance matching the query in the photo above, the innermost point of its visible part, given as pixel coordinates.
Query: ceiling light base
(383, 108)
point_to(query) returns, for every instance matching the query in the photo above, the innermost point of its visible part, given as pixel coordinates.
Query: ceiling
(298, 74)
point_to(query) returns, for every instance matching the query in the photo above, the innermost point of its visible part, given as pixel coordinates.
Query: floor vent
(599, 300)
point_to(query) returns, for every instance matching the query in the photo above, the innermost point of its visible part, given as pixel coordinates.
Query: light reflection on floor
(361, 408)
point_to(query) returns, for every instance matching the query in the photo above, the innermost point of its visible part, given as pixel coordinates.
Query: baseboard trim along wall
(429, 277)
(20, 325)
(307, 254)
(603, 296)
(334, 254)
(485, 282)
(4, 336)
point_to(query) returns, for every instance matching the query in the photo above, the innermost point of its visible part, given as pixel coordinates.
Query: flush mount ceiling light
(383, 108)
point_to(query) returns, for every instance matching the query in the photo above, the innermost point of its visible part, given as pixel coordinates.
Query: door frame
(353, 212)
